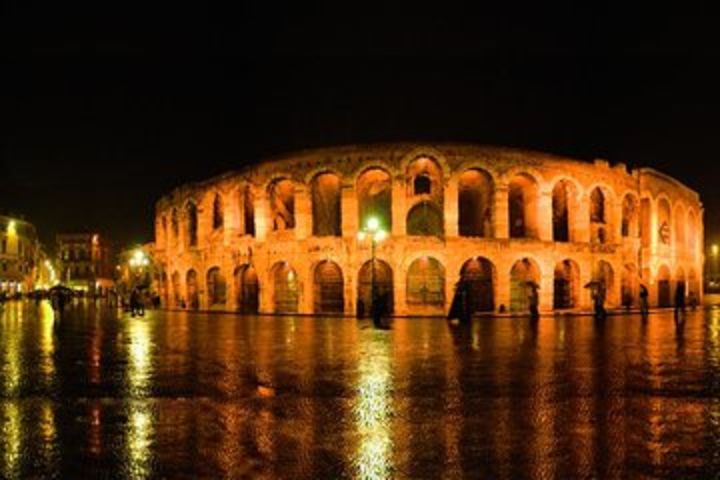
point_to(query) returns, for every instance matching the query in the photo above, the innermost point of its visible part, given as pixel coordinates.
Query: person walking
(680, 302)
(598, 296)
(643, 302)
(533, 300)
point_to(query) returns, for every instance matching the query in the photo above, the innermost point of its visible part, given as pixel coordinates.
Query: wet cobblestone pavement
(180, 395)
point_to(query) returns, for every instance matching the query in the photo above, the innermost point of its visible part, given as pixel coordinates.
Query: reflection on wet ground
(182, 395)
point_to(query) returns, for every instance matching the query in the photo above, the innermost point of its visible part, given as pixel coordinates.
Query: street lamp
(377, 234)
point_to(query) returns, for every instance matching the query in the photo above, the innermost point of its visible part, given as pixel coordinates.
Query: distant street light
(376, 234)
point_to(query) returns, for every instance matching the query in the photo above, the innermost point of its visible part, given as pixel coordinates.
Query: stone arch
(480, 276)
(522, 272)
(425, 180)
(328, 288)
(566, 284)
(680, 221)
(664, 221)
(663, 287)
(605, 274)
(629, 285)
(216, 288)
(175, 285)
(476, 193)
(374, 195)
(218, 217)
(247, 199)
(191, 212)
(630, 213)
(425, 286)
(425, 219)
(286, 290)
(326, 204)
(191, 287)
(564, 207)
(247, 289)
(383, 284)
(281, 192)
(523, 206)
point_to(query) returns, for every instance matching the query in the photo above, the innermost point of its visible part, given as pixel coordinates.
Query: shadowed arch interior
(247, 289)
(191, 286)
(328, 288)
(566, 279)
(475, 203)
(522, 206)
(374, 194)
(286, 292)
(282, 204)
(425, 219)
(479, 275)
(216, 287)
(383, 284)
(425, 282)
(522, 272)
(326, 201)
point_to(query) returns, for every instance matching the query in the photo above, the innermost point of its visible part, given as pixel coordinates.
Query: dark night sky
(105, 110)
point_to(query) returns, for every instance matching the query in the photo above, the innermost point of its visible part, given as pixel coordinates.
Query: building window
(422, 185)
(217, 213)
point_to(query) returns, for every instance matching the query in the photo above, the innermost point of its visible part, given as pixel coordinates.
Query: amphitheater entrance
(604, 274)
(383, 287)
(193, 298)
(247, 289)
(286, 293)
(426, 285)
(216, 287)
(629, 289)
(565, 285)
(478, 274)
(523, 273)
(328, 288)
(663, 287)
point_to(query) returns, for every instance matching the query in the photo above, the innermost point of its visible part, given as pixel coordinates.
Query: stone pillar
(399, 288)
(545, 230)
(305, 280)
(584, 295)
(263, 222)
(450, 207)
(547, 287)
(581, 223)
(303, 213)
(398, 207)
(350, 290)
(501, 213)
(349, 211)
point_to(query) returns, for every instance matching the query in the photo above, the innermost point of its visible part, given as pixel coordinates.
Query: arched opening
(422, 185)
(566, 285)
(523, 206)
(192, 224)
(604, 274)
(564, 202)
(425, 285)
(680, 225)
(425, 179)
(326, 211)
(664, 222)
(286, 290)
(217, 213)
(475, 204)
(176, 296)
(425, 219)
(374, 191)
(384, 293)
(645, 214)
(598, 216)
(479, 273)
(191, 286)
(216, 288)
(165, 240)
(247, 289)
(663, 287)
(630, 286)
(282, 204)
(629, 227)
(523, 272)
(248, 208)
(328, 288)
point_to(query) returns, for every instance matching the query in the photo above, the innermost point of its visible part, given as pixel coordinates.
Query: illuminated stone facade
(281, 236)
(20, 256)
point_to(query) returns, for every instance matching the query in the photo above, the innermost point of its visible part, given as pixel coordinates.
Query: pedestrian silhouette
(643, 302)
(680, 302)
(533, 300)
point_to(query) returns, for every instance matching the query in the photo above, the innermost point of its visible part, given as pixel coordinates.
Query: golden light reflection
(373, 412)
(141, 428)
(47, 341)
(140, 432)
(48, 432)
(139, 357)
(11, 440)
(10, 359)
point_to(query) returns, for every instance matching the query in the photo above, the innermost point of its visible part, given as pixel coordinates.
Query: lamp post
(714, 249)
(377, 234)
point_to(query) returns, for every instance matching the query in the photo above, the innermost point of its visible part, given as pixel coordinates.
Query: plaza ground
(182, 395)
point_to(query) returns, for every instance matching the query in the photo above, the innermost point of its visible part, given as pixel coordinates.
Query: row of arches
(425, 286)
(476, 208)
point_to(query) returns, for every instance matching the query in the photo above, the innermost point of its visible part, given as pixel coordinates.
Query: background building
(85, 262)
(136, 268)
(20, 254)
(282, 236)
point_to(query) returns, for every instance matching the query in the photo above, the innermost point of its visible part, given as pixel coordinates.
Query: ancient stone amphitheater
(281, 236)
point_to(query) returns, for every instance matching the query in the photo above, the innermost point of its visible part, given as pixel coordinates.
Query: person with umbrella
(59, 295)
(644, 301)
(533, 299)
(597, 289)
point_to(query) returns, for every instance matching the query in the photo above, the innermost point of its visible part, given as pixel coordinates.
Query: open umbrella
(61, 290)
(532, 284)
(592, 284)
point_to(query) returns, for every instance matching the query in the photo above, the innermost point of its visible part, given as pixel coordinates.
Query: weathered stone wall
(627, 228)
